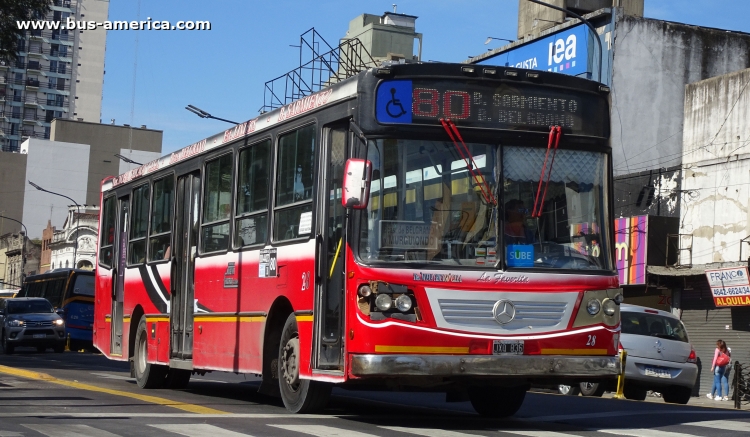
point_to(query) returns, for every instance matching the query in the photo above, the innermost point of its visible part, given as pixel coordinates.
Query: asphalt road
(86, 395)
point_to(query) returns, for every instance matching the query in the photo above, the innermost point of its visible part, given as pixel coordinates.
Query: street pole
(78, 208)
(586, 22)
(23, 245)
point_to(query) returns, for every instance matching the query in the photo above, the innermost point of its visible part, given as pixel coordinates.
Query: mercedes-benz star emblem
(504, 311)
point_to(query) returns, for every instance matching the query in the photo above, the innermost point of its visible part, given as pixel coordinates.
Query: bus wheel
(503, 402)
(146, 375)
(177, 379)
(299, 395)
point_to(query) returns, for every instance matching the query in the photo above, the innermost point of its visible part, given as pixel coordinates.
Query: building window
(217, 203)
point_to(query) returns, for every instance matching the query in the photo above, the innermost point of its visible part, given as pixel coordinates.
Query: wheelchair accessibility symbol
(394, 108)
(394, 101)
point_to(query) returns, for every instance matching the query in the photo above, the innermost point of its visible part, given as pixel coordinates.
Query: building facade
(57, 74)
(74, 246)
(73, 164)
(20, 258)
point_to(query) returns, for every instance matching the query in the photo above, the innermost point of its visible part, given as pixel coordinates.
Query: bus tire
(7, 348)
(177, 379)
(299, 395)
(503, 402)
(146, 375)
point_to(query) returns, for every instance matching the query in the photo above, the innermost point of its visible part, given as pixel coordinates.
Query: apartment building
(57, 74)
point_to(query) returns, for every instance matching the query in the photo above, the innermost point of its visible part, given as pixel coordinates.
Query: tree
(12, 11)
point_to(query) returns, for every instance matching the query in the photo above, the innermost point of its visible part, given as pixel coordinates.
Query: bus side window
(217, 203)
(251, 226)
(161, 219)
(107, 233)
(294, 182)
(138, 225)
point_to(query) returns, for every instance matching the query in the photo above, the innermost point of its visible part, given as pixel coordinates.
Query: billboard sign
(563, 52)
(630, 249)
(729, 286)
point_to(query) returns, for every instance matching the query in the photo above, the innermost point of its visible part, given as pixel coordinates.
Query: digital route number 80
(427, 102)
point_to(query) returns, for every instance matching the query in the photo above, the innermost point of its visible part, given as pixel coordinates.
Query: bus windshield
(84, 285)
(427, 206)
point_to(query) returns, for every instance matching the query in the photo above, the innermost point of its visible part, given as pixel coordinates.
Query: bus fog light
(365, 290)
(593, 307)
(403, 303)
(619, 298)
(609, 306)
(383, 302)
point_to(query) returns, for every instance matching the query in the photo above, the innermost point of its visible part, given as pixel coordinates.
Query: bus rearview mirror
(357, 177)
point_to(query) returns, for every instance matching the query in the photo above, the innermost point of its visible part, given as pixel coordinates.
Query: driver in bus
(516, 231)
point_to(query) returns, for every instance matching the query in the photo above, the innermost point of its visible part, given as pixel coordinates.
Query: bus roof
(58, 273)
(336, 92)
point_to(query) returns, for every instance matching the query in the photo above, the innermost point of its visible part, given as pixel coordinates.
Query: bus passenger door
(331, 248)
(186, 245)
(118, 291)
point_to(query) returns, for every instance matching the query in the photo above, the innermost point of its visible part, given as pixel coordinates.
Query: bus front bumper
(485, 365)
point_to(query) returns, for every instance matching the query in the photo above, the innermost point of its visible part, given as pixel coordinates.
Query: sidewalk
(700, 401)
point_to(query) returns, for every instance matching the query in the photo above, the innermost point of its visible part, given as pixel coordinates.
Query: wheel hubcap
(141, 361)
(290, 362)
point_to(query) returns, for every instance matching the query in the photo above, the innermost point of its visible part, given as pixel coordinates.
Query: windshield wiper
(555, 132)
(452, 130)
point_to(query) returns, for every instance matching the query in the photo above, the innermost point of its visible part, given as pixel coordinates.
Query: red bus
(415, 226)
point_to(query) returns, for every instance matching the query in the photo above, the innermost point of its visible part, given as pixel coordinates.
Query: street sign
(729, 286)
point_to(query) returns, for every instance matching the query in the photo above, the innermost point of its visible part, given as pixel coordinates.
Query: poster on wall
(729, 286)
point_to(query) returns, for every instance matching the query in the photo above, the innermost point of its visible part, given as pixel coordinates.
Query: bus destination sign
(490, 105)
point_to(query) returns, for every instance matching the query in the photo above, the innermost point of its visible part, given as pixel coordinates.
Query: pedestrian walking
(718, 368)
(725, 378)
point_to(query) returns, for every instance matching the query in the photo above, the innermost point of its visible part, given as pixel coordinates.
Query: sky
(150, 76)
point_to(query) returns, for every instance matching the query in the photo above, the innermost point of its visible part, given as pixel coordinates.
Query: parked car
(660, 358)
(31, 321)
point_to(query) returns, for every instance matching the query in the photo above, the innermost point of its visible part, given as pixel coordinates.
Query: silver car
(660, 357)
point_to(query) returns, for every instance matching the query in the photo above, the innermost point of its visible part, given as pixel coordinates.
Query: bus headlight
(365, 290)
(59, 322)
(403, 303)
(609, 306)
(593, 307)
(383, 302)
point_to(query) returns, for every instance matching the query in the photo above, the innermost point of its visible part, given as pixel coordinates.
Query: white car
(660, 358)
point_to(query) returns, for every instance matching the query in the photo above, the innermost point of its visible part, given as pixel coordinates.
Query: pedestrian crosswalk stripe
(643, 432)
(199, 430)
(537, 433)
(724, 425)
(427, 432)
(70, 431)
(323, 431)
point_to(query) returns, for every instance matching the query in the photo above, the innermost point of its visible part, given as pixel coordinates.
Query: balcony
(32, 84)
(56, 103)
(30, 118)
(33, 66)
(30, 133)
(35, 51)
(61, 3)
(31, 101)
